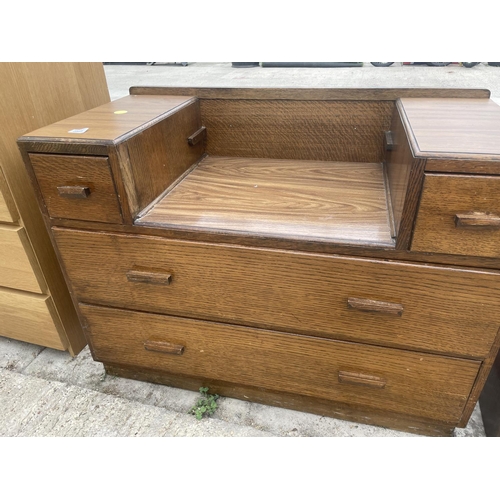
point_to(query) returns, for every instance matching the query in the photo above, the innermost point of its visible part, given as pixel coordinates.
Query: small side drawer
(77, 187)
(459, 214)
(365, 376)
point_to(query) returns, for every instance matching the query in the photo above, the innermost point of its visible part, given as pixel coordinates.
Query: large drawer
(30, 318)
(364, 376)
(459, 214)
(422, 307)
(77, 187)
(17, 261)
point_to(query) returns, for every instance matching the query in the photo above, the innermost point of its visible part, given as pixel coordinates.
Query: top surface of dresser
(113, 121)
(451, 126)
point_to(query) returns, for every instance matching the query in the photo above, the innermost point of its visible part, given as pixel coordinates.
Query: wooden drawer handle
(73, 191)
(165, 347)
(197, 137)
(388, 141)
(360, 379)
(149, 277)
(368, 305)
(477, 219)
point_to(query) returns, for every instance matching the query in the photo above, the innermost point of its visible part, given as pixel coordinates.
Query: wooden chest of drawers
(333, 251)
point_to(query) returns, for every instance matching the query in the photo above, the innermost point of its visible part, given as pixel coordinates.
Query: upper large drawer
(77, 187)
(422, 307)
(459, 214)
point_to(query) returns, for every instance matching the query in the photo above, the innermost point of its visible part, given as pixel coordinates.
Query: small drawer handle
(378, 306)
(81, 192)
(197, 137)
(477, 219)
(153, 278)
(361, 379)
(165, 347)
(388, 141)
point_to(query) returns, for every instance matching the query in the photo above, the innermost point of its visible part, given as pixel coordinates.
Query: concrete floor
(44, 392)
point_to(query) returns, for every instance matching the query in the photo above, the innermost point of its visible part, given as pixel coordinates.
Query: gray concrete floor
(44, 392)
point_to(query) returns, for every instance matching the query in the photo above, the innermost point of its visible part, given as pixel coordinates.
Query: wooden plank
(416, 384)
(398, 164)
(447, 310)
(445, 197)
(8, 211)
(300, 245)
(33, 95)
(463, 166)
(16, 268)
(161, 154)
(114, 121)
(300, 130)
(91, 173)
(461, 128)
(326, 201)
(30, 318)
(319, 94)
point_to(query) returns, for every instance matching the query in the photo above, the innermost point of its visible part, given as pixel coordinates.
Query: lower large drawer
(433, 308)
(387, 379)
(30, 318)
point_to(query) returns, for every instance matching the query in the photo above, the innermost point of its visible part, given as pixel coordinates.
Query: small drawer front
(370, 377)
(459, 214)
(16, 270)
(29, 318)
(432, 308)
(77, 187)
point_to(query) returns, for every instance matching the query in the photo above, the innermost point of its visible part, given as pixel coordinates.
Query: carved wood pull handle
(477, 219)
(197, 137)
(368, 305)
(81, 192)
(165, 347)
(361, 379)
(388, 141)
(149, 277)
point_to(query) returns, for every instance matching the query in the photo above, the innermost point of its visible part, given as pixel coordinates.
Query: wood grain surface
(108, 124)
(417, 384)
(446, 196)
(462, 166)
(398, 164)
(453, 311)
(16, 268)
(326, 201)
(310, 94)
(454, 127)
(276, 243)
(56, 171)
(161, 154)
(299, 130)
(30, 318)
(8, 211)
